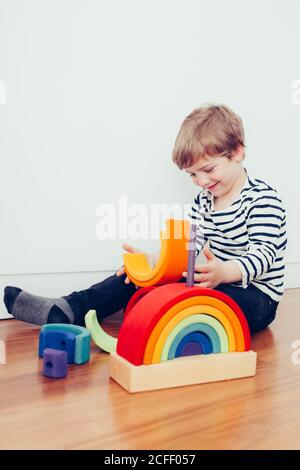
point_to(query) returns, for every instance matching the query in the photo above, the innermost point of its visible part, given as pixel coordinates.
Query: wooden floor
(87, 410)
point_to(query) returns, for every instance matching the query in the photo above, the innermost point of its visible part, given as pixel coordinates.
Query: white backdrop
(95, 92)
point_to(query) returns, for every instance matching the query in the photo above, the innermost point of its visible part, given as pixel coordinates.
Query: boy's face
(219, 175)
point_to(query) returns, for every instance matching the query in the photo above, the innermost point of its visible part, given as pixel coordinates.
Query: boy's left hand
(211, 273)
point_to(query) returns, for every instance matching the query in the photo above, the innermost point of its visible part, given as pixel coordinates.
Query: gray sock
(35, 309)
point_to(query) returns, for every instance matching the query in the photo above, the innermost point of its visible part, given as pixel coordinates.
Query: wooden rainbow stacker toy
(177, 334)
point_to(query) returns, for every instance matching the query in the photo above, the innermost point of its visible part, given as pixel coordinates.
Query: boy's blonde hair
(213, 130)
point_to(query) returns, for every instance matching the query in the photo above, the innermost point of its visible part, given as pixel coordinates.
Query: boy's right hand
(151, 257)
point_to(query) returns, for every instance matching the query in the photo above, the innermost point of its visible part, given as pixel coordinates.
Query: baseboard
(49, 285)
(58, 284)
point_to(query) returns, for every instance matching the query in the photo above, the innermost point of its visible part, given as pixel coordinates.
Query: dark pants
(112, 295)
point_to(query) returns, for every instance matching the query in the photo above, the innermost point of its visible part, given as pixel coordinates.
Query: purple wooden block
(191, 256)
(55, 363)
(191, 349)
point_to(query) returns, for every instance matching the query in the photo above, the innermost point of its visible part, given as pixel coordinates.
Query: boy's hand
(211, 273)
(129, 249)
(151, 257)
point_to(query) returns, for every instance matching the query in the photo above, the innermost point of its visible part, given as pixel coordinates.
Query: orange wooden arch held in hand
(172, 262)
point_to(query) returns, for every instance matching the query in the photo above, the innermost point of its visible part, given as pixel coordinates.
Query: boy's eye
(206, 171)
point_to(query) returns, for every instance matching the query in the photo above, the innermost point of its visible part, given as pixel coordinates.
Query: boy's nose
(202, 181)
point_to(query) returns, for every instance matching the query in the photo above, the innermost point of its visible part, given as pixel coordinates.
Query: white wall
(95, 92)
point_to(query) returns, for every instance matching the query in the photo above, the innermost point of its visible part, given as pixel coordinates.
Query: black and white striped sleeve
(266, 227)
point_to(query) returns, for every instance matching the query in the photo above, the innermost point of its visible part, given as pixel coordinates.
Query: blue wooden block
(82, 340)
(203, 328)
(194, 338)
(58, 339)
(55, 363)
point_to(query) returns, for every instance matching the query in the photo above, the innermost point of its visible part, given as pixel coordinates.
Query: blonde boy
(242, 218)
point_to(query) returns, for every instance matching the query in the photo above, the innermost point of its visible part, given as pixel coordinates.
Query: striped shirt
(251, 232)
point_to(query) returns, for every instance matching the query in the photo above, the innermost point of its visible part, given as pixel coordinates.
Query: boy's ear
(238, 154)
